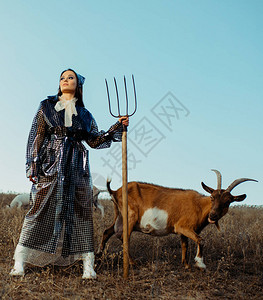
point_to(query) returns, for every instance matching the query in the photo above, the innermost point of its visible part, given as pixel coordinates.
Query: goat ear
(207, 188)
(239, 198)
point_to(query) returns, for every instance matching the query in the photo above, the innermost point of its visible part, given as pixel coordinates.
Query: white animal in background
(96, 192)
(23, 199)
(19, 200)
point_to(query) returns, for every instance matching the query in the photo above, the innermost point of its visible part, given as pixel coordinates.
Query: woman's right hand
(124, 120)
(32, 179)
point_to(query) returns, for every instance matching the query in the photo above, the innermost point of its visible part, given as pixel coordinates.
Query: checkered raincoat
(60, 212)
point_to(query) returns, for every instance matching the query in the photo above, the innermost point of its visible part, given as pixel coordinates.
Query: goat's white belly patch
(154, 220)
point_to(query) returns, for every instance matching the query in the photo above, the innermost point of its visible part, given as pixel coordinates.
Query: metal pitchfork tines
(118, 100)
(124, 169)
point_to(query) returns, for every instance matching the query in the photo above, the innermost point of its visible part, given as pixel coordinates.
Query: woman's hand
(124, 121)
(33, 179)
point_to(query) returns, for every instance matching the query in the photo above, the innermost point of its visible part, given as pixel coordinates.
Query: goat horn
(219, 179)
(237, 182)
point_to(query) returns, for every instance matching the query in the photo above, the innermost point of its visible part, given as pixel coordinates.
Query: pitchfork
(124, 168)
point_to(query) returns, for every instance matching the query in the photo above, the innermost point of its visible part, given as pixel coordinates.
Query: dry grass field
(234, 259)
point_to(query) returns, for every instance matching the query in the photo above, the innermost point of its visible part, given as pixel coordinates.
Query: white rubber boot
(88, 266)
(18, 269)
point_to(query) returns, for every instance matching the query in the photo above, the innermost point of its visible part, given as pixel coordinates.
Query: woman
(58, 228)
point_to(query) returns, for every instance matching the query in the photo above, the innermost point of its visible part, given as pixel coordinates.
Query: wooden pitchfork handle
(124, 170)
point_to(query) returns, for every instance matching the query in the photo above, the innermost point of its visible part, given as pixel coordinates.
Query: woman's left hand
(124, 121)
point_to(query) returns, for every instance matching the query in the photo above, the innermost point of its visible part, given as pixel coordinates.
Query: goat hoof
(200, 267)
(199, 263)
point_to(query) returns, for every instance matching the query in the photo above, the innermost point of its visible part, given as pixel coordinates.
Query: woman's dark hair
(78, 92)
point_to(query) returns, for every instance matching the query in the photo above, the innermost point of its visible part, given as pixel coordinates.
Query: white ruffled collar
(70, 109)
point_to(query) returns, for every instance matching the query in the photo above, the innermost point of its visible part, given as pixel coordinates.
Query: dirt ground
(234, 259)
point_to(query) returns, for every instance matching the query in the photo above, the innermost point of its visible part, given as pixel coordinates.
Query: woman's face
(68, 82)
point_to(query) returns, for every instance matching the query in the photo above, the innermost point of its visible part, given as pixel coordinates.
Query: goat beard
(217, 226)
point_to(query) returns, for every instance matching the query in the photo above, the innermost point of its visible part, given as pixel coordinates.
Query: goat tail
(108, 186)
(111, 192)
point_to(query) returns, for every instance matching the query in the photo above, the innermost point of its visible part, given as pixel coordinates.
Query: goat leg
(106, 235)
(197, 239)
(199, 261)
(184, 244)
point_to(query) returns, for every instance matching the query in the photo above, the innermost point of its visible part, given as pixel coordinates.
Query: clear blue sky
(204, 57)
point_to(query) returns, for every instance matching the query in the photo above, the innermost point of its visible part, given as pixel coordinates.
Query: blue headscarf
(81, 80)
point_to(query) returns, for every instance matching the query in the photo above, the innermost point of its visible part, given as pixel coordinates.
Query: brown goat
(159, 211)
